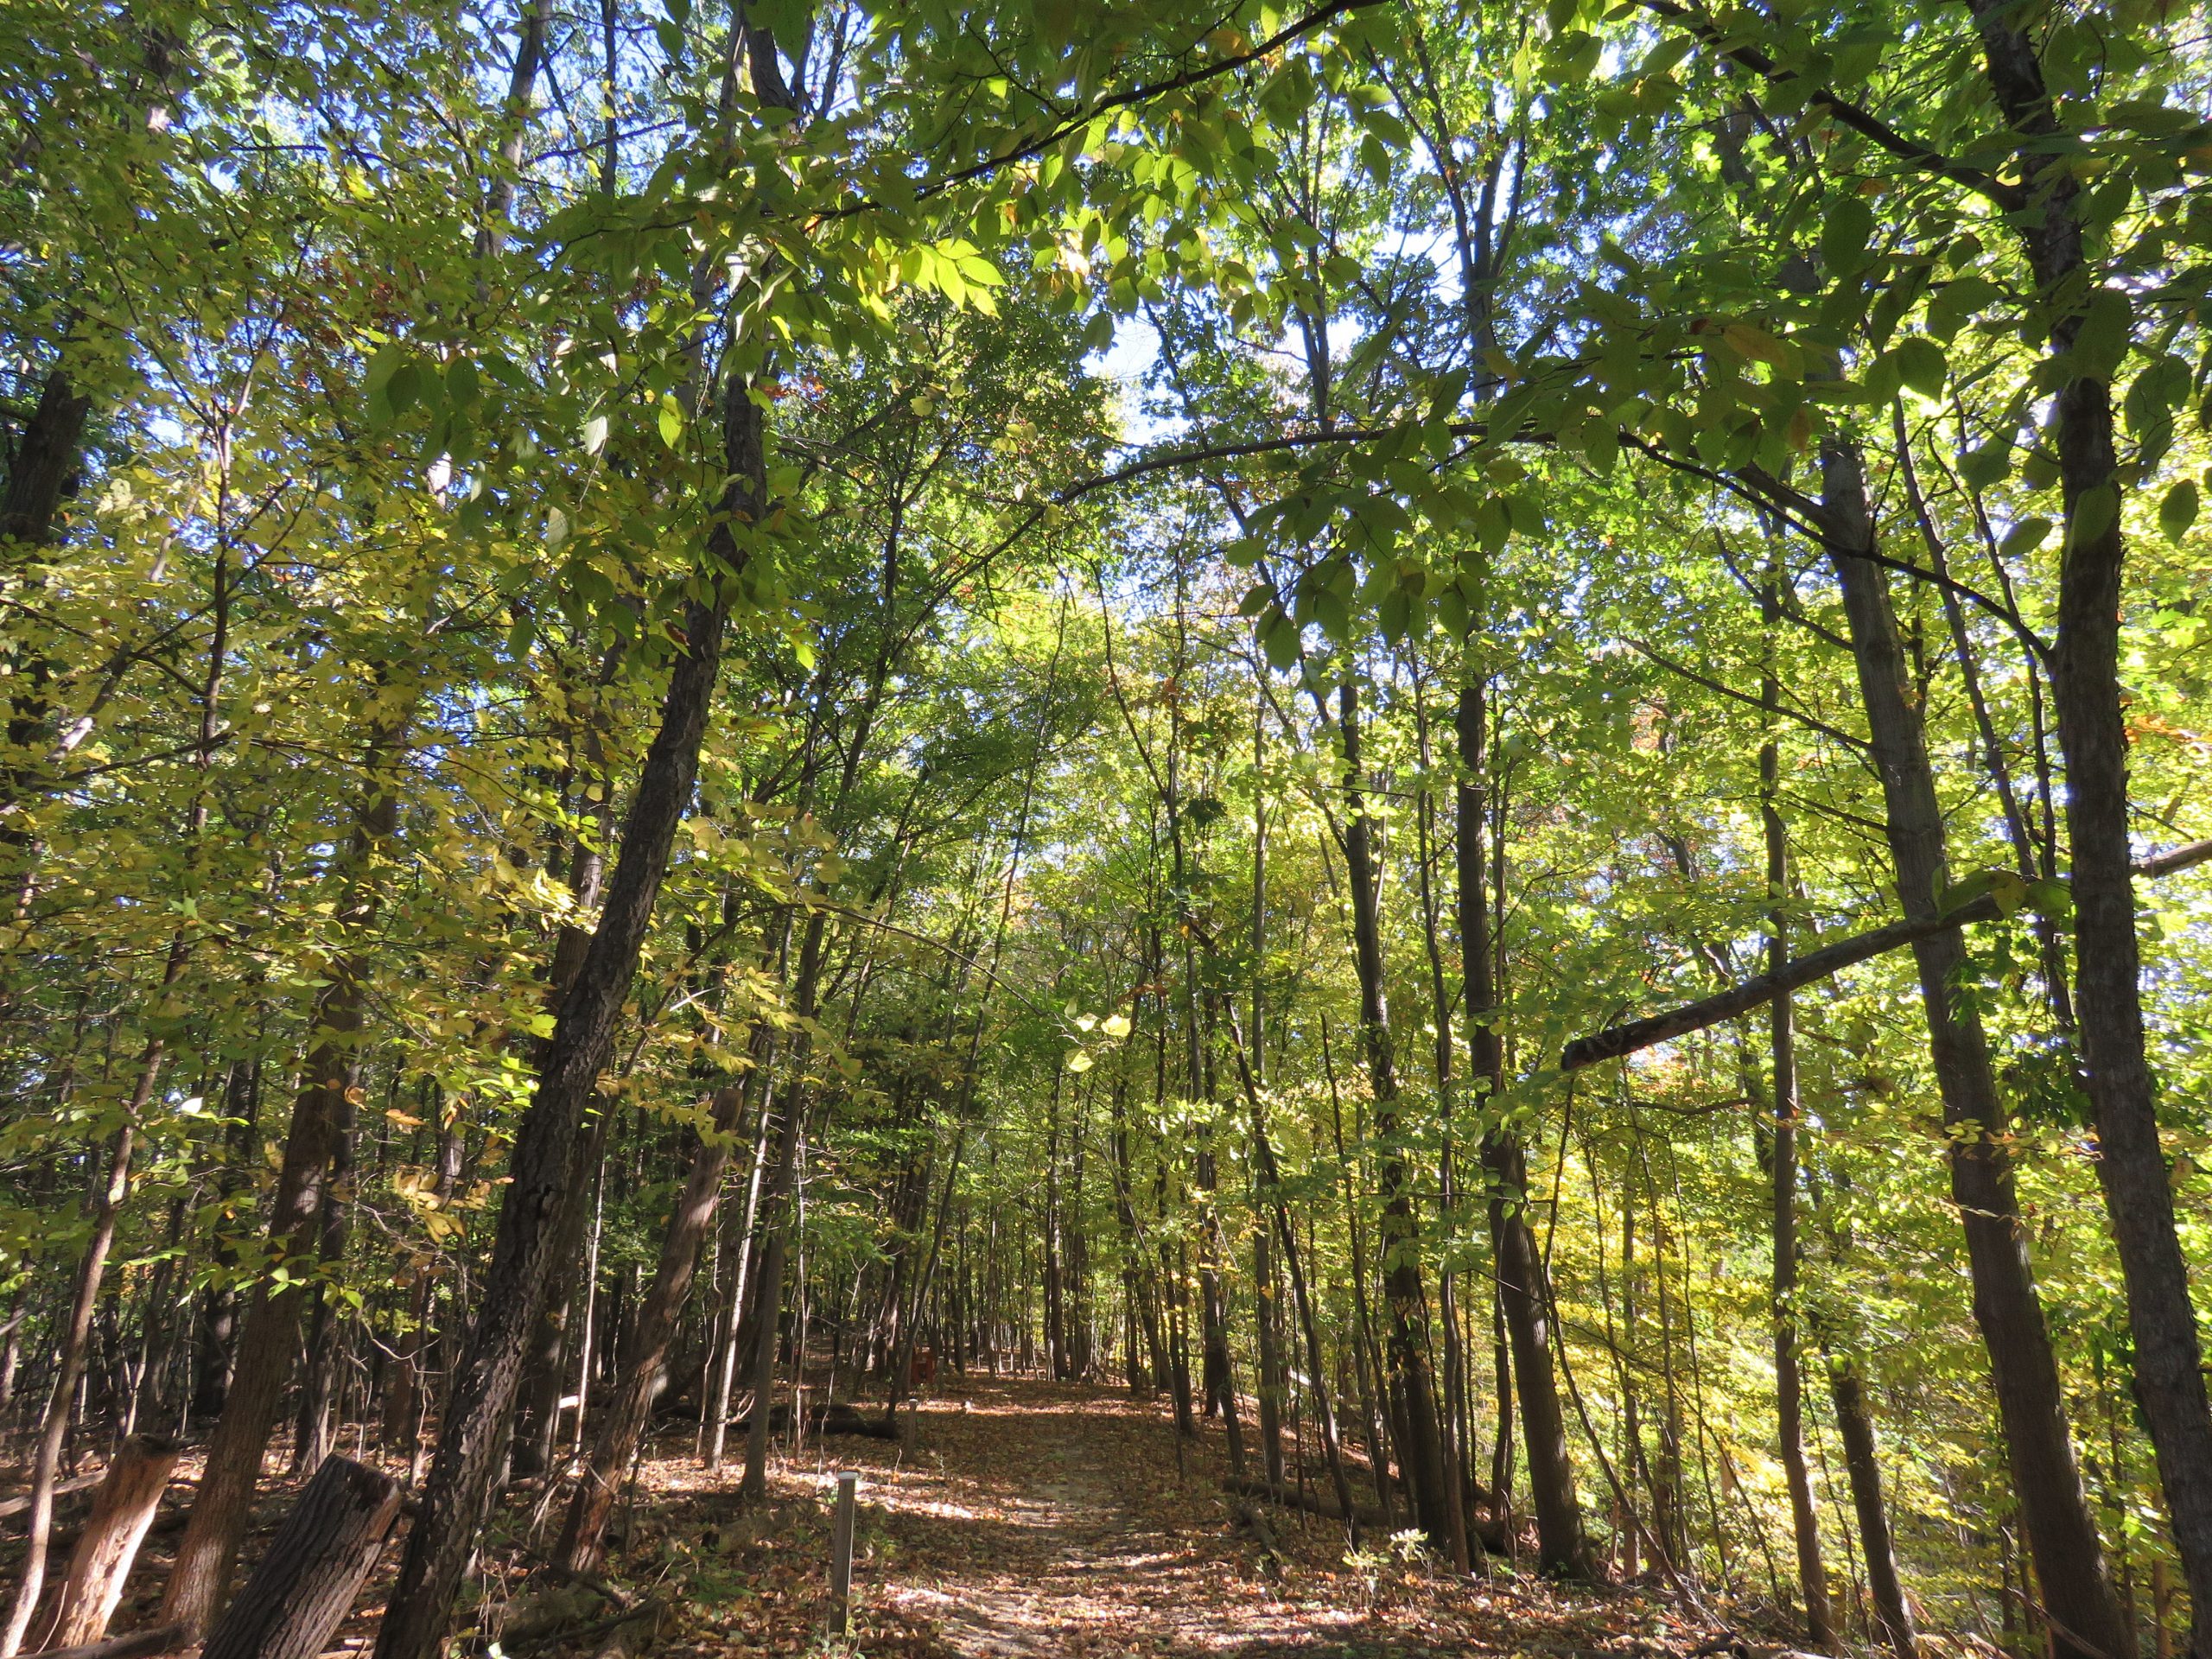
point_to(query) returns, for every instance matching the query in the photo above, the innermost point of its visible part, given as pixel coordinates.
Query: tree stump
(123, 1509)
(307, 1582)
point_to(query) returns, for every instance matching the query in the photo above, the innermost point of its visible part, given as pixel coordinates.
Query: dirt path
(1037, 1519)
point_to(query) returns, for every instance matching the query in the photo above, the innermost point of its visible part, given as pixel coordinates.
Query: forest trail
(1040, 1520)
(1037, 1519)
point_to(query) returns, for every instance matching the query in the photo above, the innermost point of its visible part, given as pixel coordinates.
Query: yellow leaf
(1760, 346)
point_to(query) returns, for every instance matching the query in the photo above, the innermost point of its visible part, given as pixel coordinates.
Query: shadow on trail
(1037, 1519)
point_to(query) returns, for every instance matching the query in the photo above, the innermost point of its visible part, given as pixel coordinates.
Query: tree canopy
(1478, 740)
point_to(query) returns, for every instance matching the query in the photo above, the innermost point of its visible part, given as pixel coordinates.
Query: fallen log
(641, 1620)
(16, 1505)
(1491, 1534)
(1249, 1516)
(162, 1638)
(838, 1419)
(1632, 1035)
(1290, 1497)
(637, 1632)
(315, 1567)
(123, 1509)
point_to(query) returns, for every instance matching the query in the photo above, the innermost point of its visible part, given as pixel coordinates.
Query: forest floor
(1027, 1519)
(1034, 1519)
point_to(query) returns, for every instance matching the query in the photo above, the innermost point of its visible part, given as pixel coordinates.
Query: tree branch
(1860, 121)
(1615, 1041)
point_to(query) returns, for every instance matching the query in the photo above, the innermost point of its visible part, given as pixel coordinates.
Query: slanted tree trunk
(481, 1392)
(123, 1509)
(269, 1334)
(644, 1351)
(2131, 1166)
(2046, 1481)
(315, 1567)
(69, 1363)
(91, 1264)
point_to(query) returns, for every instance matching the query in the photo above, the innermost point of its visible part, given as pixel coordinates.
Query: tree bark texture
(315, 1565)
(2047, 1481)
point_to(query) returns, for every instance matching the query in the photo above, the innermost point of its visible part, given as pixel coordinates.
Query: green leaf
(2023, 538)
(1846, 234)
(1574, 55)
(1750, 341)
(383, 366)
(1921, 364)
(1987, 466)
(403, 386)
(2093, 513)
(2178, 510)
(1956, 302)
(2107, 323)
(671, 420)
(595, 434)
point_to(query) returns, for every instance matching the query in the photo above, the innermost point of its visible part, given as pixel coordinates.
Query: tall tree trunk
(312, 1437)
(1270, 1174)
(1134, 1306)
(535, 1446)
(69, 1363)
(1367, 1359)
(46, 458)
(763, 1050)
(2046, 1480)
(1562, 1545)
(1863, 1464)
(44, 463)
(1263, 1272)
(2131, 1166)
(222, 1508)
(1446, 1175)
(1422, 1453)
(215, 1346)
(777, 1216)
(644, 1351)
(1782, 1032)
